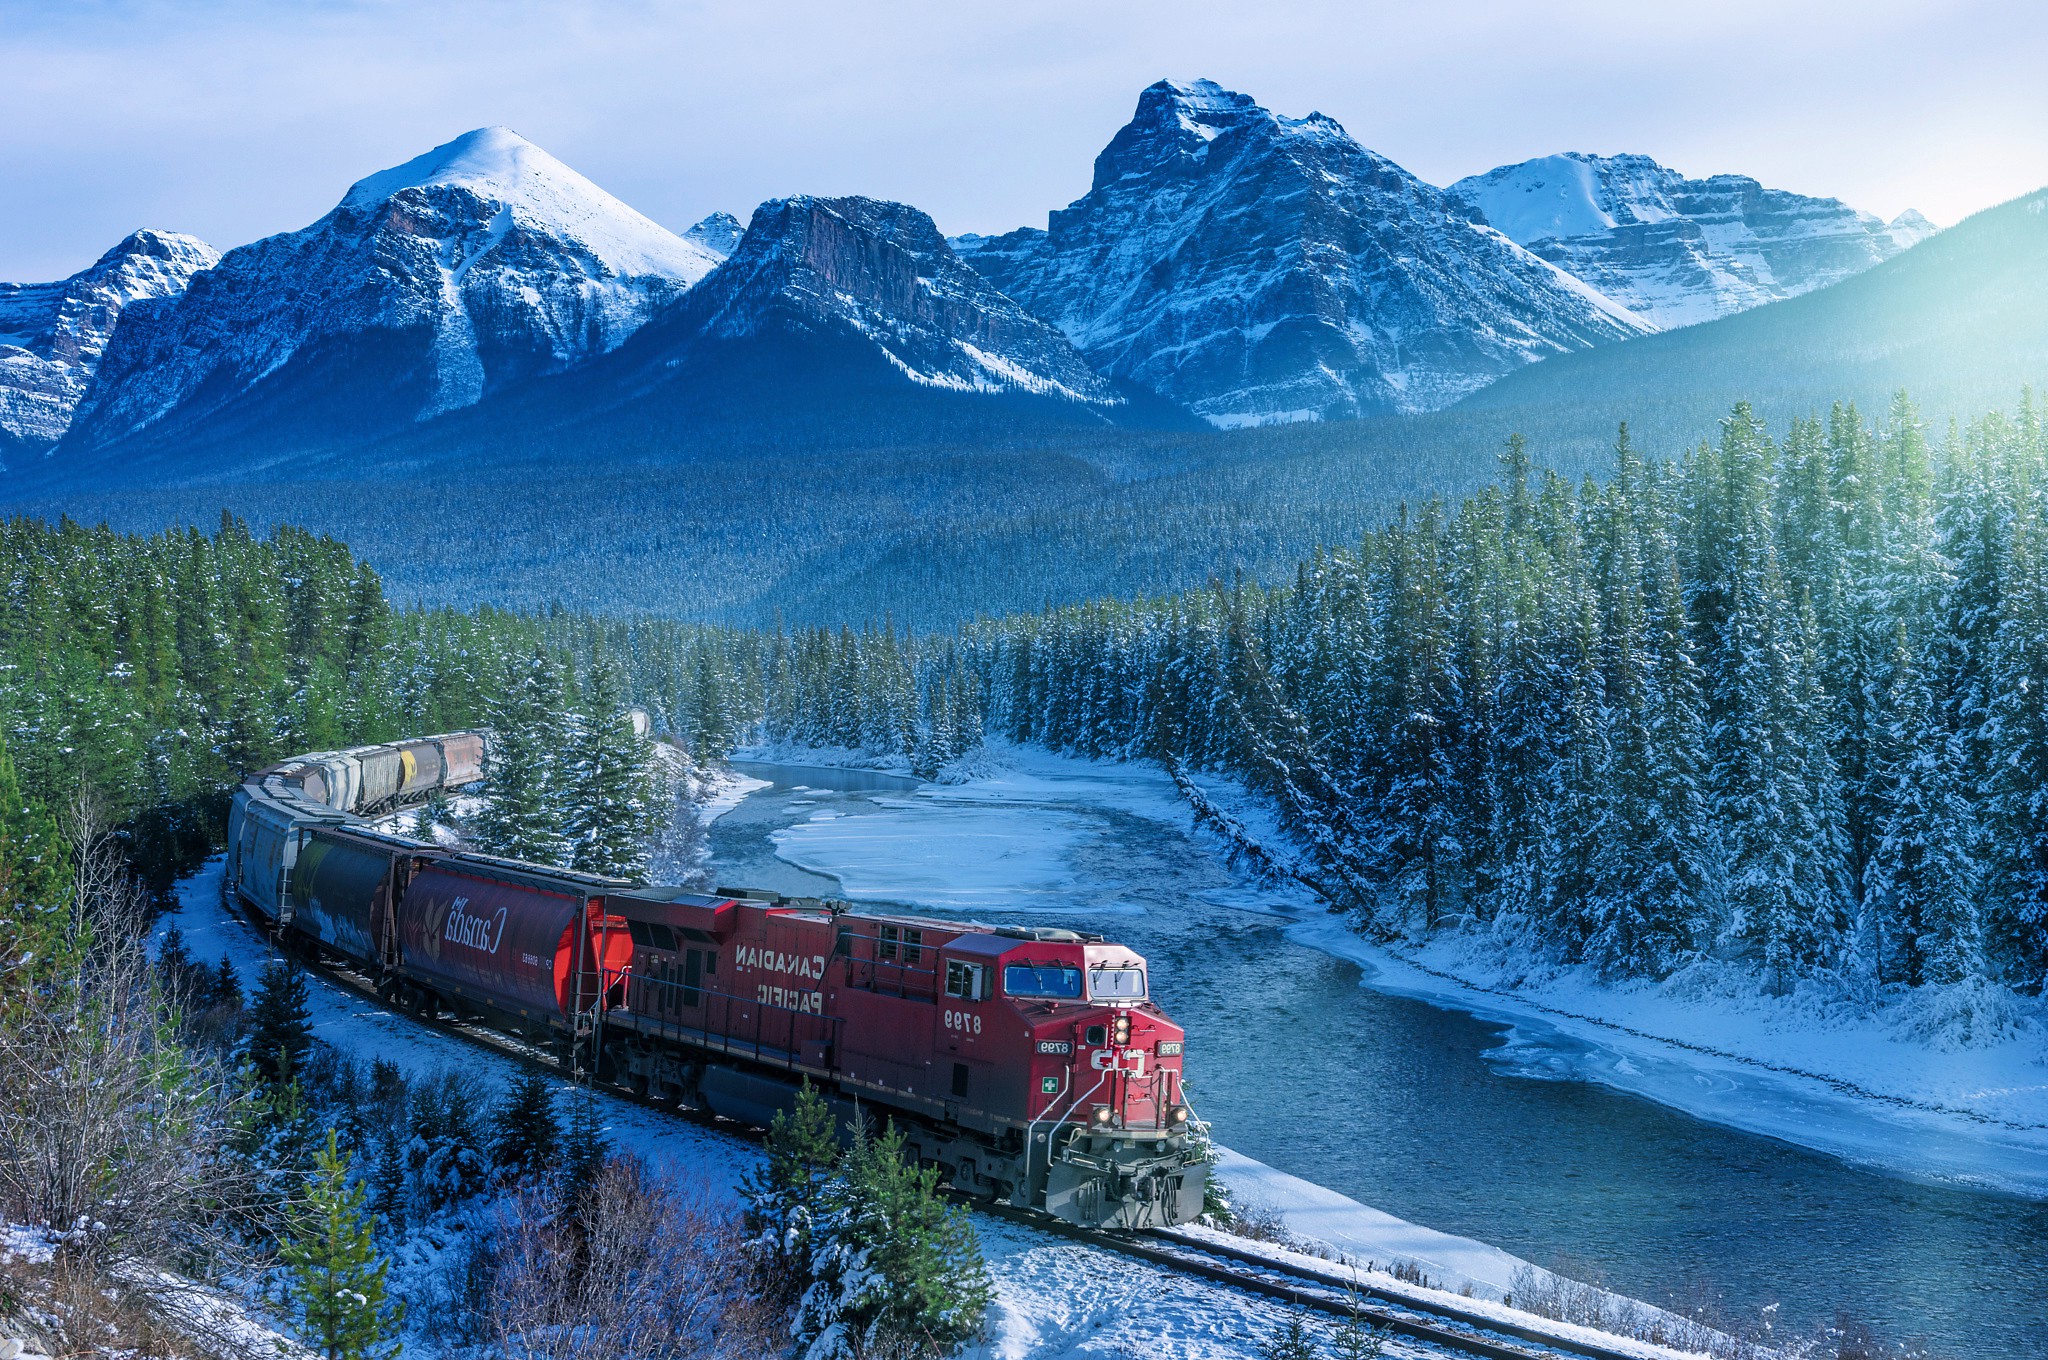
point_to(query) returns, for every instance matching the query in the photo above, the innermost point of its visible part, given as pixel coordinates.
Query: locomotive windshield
(1116, 984)
(1042, 979)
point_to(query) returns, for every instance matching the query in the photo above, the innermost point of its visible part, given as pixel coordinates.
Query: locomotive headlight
(1123, 1029)
(1178, 1114)
(1102, 1115)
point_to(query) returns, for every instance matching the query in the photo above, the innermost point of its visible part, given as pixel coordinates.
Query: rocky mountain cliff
(483, 263)
(1258, 268)
(1674, 250)
(53, 334)
(872, 280)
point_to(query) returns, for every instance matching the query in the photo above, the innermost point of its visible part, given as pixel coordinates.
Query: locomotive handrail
(721, 1038)
(1031, 1129)
(875, 964)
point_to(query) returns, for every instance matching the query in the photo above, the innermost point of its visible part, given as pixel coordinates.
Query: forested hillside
(1775, 704)
(1778, 702)
(150, 673)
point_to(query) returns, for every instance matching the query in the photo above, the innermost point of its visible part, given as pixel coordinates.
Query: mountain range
(1228, 265)
(1259, 269)
(1676, 251)
(52, 335)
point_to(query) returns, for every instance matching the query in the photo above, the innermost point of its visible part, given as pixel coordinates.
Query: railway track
(1442, 1325)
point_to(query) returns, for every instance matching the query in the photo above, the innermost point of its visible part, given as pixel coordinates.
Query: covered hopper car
(1031, 1065)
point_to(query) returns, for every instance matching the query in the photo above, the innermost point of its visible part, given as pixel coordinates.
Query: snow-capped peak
(498, 165)
(1909, 228)
(719, 233)
(1257, 267)
(1676, 250)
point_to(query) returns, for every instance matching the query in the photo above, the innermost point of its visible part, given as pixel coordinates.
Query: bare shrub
(650, 1268)
(110, 1131)
(1259, 1223)
(1411, 1272)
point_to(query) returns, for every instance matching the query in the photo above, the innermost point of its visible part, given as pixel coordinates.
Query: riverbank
(1822, 1072)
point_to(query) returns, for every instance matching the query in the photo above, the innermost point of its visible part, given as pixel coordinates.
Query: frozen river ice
(1426, 1112)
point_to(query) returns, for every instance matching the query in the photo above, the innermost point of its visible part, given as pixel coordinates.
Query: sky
(233, 119)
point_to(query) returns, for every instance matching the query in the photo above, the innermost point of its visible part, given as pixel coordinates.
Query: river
(1396, 1102)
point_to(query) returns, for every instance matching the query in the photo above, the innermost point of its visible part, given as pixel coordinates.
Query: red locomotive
(1029, 1064)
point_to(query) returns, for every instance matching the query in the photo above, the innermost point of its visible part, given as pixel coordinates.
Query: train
(1029, 1064)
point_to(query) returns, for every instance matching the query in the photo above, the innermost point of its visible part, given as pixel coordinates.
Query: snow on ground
(1837, 1079)
(1056, 1299)
(729, 791)
(1321, 1215)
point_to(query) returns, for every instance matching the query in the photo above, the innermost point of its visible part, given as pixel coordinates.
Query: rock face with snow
(1674, 250)
(461, 272)
(1258, 268)
(861, 277)
(53, 334)
(719, 233)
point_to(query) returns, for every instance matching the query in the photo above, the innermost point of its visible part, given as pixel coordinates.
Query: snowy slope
(1260, 268)
(53, 334)
(1675, 250)
(480, 263)
(874, 279)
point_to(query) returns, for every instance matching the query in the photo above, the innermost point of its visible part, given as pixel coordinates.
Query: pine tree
(35, 889)
(388, 1182)
(525, 814)
(280, 1024)
(611, 802)
(583, 1152)
(527, 1134)
(224, 989)
(785, 1194)
(1291, 1342)
(174, 963)
(894, 1268)
(336, 1276)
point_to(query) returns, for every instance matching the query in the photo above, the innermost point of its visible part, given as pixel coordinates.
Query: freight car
(1030, 1065)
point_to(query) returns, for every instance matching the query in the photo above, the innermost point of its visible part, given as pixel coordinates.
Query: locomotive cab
(1110, 1138)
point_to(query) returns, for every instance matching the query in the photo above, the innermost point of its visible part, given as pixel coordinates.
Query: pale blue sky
(232, 119)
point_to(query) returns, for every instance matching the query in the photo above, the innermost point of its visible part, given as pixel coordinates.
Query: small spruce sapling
(583, 1154)
(280, 1024)
(224, 989)
(526, 1133)
(1291, 1342)
(895, 1270)
(1358, 1337)
(335, 1282)
(785, 1194)
(388, 1183)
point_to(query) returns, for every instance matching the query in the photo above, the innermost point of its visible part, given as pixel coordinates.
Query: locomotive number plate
(963, 1021)
(1055, 1046)
(1170, 1048)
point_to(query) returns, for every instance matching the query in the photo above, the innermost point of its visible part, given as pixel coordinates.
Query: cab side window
(965, 980)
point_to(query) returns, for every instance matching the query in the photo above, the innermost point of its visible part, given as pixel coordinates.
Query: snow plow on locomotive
(1030, 1065)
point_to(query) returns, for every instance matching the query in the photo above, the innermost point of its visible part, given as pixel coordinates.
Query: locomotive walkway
(1332, 1289)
